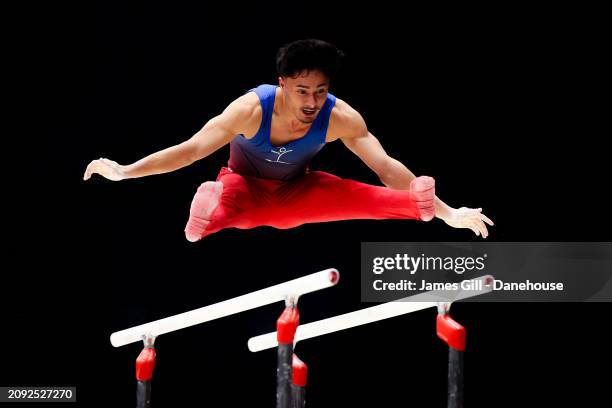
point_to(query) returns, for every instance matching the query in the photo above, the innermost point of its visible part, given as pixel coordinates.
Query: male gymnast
(273, 133)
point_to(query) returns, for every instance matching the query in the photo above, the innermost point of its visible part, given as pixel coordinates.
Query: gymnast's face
(305, 94)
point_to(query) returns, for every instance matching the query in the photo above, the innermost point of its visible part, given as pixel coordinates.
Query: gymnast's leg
(232, 201)
(323, 197)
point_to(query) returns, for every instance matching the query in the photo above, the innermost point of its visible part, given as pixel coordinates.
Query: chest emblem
(281, 151)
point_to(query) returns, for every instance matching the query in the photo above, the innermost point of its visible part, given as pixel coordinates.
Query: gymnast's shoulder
(345, 122)
(245, 114)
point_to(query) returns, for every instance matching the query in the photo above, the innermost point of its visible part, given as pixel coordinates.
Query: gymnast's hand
(471, 218)
(106, 168)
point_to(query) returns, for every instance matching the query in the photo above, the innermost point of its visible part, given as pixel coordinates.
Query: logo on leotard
(280, 153)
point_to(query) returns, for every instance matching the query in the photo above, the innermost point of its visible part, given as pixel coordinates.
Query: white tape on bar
(295, 288)
(373, 314)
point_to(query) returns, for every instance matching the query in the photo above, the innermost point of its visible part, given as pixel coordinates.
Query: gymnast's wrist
(442, 210)
(126, 172)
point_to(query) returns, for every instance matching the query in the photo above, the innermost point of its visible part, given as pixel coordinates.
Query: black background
(500, 106)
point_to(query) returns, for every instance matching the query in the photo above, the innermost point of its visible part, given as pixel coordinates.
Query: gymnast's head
(305, 69)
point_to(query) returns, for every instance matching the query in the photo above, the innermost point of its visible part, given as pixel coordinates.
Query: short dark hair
(308, 55)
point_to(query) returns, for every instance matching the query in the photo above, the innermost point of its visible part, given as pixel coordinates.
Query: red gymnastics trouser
(237, 201)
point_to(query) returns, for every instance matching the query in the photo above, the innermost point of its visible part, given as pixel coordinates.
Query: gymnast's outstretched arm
(393, 174)
(237, 118)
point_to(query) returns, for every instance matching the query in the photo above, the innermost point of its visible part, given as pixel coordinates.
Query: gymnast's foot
(423, 191)
(203, 205)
